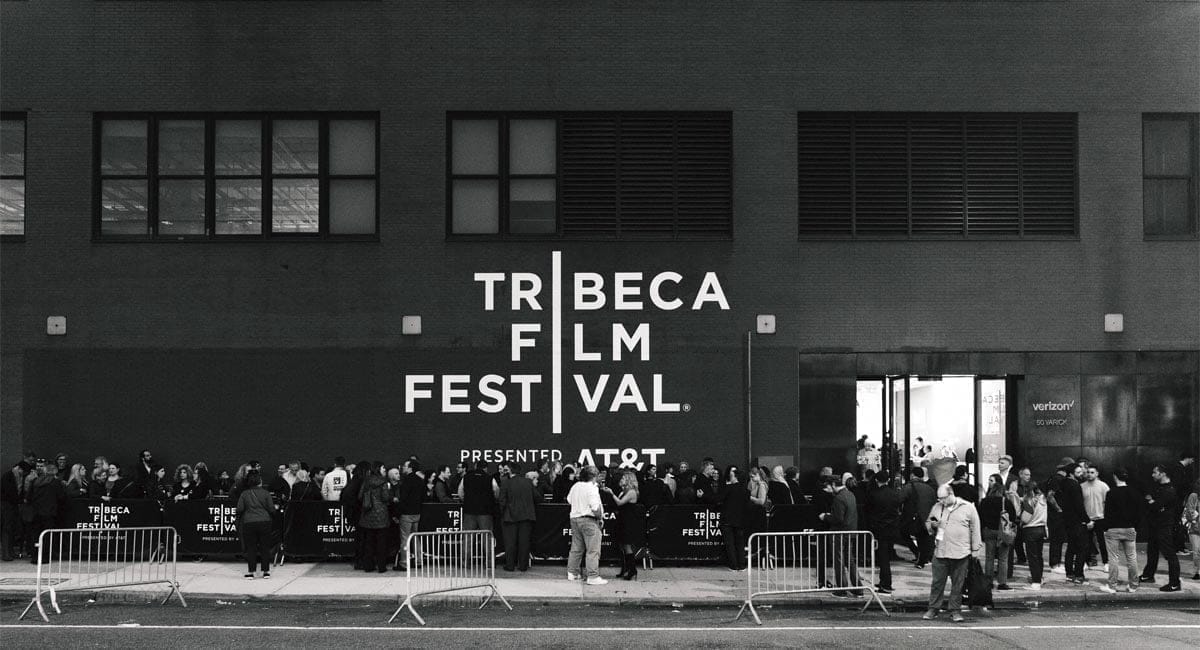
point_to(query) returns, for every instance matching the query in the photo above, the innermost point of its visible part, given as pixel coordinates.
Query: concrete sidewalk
(690, 585)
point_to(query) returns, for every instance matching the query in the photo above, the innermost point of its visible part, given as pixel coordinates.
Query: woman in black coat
(733, 500)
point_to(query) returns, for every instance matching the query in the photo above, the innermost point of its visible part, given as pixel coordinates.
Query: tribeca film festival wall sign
(528, 298)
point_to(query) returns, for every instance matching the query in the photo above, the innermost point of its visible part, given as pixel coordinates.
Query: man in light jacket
(954, 524)
(586, 514)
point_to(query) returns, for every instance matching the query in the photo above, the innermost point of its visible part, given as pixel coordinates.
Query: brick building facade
(274, 347)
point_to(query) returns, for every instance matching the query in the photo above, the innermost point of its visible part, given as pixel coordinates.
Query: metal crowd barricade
(448, 561)
(75, 559)
(809, 562)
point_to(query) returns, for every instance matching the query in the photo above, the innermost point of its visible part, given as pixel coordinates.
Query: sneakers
(266, 575)
(1034, 586)
(1004, 588)
(249, 576)
(1060, 569)
(596, 580)
(930, 615)
(1146, 580)
(1107, 589)
(573, 577)
(1170, 588)
(1104, 568)
(883, 590)
(956, 617)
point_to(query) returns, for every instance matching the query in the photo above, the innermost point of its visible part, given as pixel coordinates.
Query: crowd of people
(942, 524)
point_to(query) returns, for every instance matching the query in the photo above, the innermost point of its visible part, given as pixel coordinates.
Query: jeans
(956, 570)
(1032, 539)
(1195, 537)
(996, 552)
(516, 544)
(408, 526)
(1121, 545)
(585, 546)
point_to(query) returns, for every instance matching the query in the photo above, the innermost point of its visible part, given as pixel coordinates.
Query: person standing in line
(883, 520)
(734, 501)
(1183, 474)
(919, 498)
(1056, 530)
(1191, 522)
(255, 514)
(631, 517)
(47, 499)
(587, 513)
(334, 481)
(479, 492)
(994, 507)
(1122, 512)
(374, 519)
(78, 485)
(1094, 492)
(842, 516)
(954, 523)
(1075, 521)
(1162, 502)
(1033, 531)
(408, 498)
(518, 512)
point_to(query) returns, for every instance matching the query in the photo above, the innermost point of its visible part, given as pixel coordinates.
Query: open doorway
(914, 419)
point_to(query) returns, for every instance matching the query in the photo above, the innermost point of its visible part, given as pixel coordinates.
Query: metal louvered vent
(937, 175)
(646, 175)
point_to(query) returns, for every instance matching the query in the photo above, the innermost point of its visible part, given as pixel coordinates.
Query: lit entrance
(913, 420)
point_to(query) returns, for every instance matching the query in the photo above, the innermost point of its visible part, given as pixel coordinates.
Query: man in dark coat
(883, 520)
(919, 497)
(48, 499)
(10, 495)
(1162, 504)
(1075, 520)
(410, 494)
(517, 499)
(842, 516)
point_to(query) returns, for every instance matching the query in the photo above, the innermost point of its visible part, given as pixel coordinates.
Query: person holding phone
(954, 525)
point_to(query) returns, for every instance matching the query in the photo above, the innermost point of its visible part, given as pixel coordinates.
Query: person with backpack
(998, 517)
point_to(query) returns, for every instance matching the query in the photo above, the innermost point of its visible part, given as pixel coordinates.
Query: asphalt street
(225, 623)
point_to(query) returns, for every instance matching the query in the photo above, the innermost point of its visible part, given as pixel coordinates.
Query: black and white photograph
(600, 323)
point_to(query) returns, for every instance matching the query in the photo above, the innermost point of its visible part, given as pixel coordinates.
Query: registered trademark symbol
(687, 407)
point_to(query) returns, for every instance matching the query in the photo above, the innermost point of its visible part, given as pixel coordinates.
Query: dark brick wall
(1107, 60)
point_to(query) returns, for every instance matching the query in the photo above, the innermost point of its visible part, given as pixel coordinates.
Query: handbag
(1008, 529)
(979, 585)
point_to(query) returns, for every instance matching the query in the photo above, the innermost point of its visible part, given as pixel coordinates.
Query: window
(182, 177)
(12, 176)
(1169, 176)
(937, 175)
(590, 175)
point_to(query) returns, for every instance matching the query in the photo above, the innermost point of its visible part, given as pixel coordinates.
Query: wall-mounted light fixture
(56, 325)
(1114, 322)
(410, 325)
(765, 323)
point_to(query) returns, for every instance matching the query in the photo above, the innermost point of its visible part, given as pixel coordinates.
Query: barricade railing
(75, 559)
(782, 564)
(448, 561)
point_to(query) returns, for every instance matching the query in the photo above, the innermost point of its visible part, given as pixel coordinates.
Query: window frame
(966, 236)
(23, 176)
(502, 176)
(210, 176)
(1193, 176)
